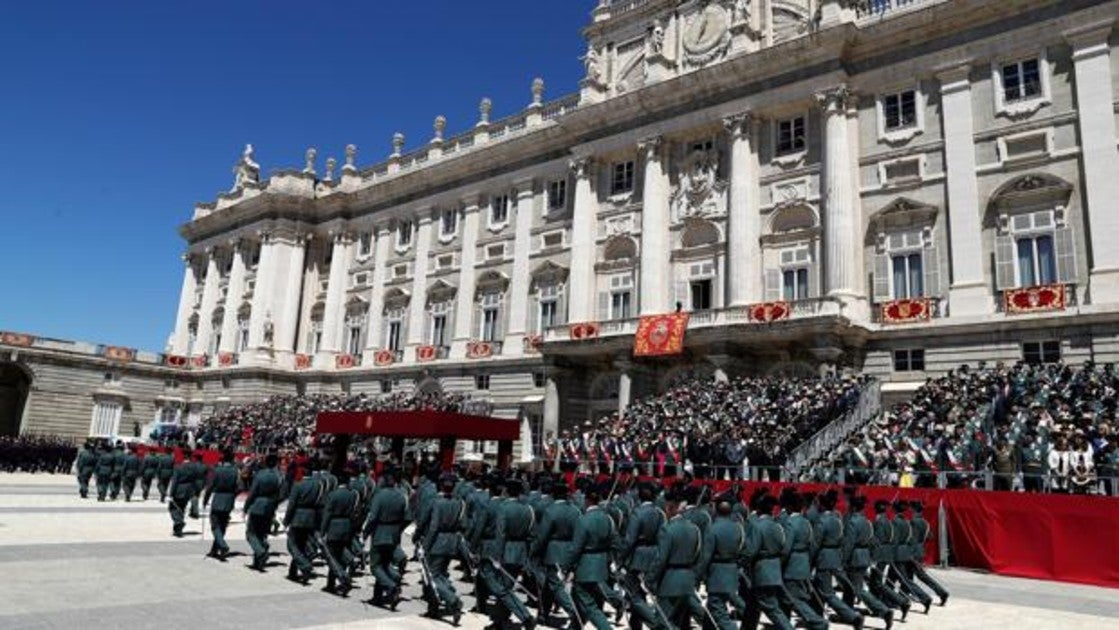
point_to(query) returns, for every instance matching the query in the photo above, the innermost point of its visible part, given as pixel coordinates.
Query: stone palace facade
(893, 187)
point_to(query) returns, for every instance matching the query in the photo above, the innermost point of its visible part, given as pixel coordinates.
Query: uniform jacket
(765, 543)
(639, 547)
(722, 551)
(858, 541)
(443, 530)
(87, 462)
(678, 551)
(829, 542)
(222, 488)
(554, 535)
(166, 466)
(386, 517)
(798, 549)
(337, 524)
(264, 494)
(920, 535)
(903, 539)
(514, 523)
(303, 504)
(590, 548)
(883, 539)
(150, 466)
(131, 466)
(182, 482)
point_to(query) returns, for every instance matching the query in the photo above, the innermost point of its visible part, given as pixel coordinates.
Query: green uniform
(765, 544)
(222, 490)
(673, 573)
(903, 558)
(182, 489)
(149, 469)
(718, 568)
(337, 530)
(300, 520)
(104, 473)
(550, 547)
(384, 525)
(131, 473)
(442, 542)
(917, 563)
(858, 542)
(87, 464)
(638, 550)
(589, 556)
(828, 551)
(166, 470)
(260, 507)
(513, 526)
(117, 472)
(884, 555)
(201, 472)
(797, 555)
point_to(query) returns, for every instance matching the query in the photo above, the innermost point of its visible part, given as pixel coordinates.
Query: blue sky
(117, 117)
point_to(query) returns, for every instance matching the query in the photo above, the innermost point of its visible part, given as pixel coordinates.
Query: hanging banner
(660, 335)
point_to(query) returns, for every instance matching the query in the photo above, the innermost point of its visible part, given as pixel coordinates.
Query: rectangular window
(353, 340)
(499, 210)
(701, 294)
(242, 335)
(548, 311)
(1037, 262)
(439, 330)
(622, 180)
(495, 252)
(482, 382)
(1039, 352)
(386, 386)
(445, 262)
(404, 234)
(557, 194)
(489, 323)
(909, 277)
(912, 360)
(900, 110)
(552, 239)
(364, 244)
(621, 304)
(794, 284)
(106, 418)
(448, 223)
(393, 339)
(791, 135)
(538, 379)
(1021, 80)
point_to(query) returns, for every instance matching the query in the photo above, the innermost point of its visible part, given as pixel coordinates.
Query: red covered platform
(447, 427)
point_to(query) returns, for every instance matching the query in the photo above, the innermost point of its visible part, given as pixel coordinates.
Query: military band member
(384, 525)
(86, 465)
(260, 508)
(442, 542)
(222, 489)
(131, 472)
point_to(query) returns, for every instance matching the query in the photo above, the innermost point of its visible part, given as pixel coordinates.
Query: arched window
(791, 254)
(906, 259)
(549, 294)
(314, 331)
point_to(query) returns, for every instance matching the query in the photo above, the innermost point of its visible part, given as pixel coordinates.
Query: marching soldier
(589, 556)
(765, 543)
(718, 567)
(201, 472)
(117, 473)
(300, 520)
(884, 557)
(182, 489)
(104, 471)
(336, 530)
(916, 565)
(222, 489)
(550, 547)
(903, 556)
(260, 508)
(442, 542)
(673, 571)
(638, 551)
(166, 470)
(829, 561)
(483, 530)
(87, 464)
(131, 472)
(514, 523)
(384, 525)
(858, 543)
(797, 559)
(148, 471)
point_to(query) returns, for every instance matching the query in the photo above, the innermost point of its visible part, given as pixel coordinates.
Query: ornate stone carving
(439, 126)
(656, 39)
(581, 167)
(351, 156)
(837, 99)
(246, 171)
(739, 125)
(397, 144)
(706, 32)
(651, 148)
(700, 192)
(309, 165)
(537, 92)
(484, 109)
(593, 64)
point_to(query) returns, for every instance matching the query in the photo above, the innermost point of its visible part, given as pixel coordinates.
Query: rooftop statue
(246, 171)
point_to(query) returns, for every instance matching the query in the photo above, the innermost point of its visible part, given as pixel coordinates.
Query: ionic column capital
(651, 148)
(582, 167)
(740, 126)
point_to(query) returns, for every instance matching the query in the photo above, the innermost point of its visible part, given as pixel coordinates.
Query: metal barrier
(832, 435)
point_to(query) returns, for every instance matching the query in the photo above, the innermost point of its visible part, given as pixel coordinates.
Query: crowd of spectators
(37, 454)
(710, 428)
(1024, 427)
(288, 421)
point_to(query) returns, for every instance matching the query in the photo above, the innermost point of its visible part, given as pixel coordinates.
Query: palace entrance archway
(15, 383)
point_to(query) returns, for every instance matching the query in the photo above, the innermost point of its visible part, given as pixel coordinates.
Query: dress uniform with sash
(589, 557)
(829, 560)
(104, 472)
(131, 473)
(384, 524)
(166, 470)
(550, 546)
(260, 508)
(514, 522)
(797, 555)
(149, 469)
(765, 543)
(638, 551)
(337, 530)
(673, 572)
(222, 490)
(718, 566)
(442, 542)
(300, 519)
(181, 490)
(917, 554)
(858, 545)
(903, 556)
(86, 465)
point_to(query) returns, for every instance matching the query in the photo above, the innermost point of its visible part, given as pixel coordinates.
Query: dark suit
(222, 489)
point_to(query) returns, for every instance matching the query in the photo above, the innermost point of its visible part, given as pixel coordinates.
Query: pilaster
(584, 225)
(293, 253)
(467, 283)
(656, 246)
(209, 303)
(335, 296)
(234, 291)
(262, 322)
(744, 231)
(180, 340)
(519, 285)
(373, 341)
(418, 305)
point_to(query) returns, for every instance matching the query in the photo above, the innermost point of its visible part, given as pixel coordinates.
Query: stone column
(262, 304)
(968, 294)
(335, 296)
(1091, 56)
(625, 384)
(551, 406)
(234, 290)
(656, 283)
(467, 283)
(584, 227)
(841, 204)
(180, 339)
(210, 294)
(417, 306)
(293, 251)
(744, 253)
(376, 314)
(519, 285)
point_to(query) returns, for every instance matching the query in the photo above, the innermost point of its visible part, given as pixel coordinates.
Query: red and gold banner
(16, 339)
(344, 361)
(769, 311)
(585, 330)
(176, 360)
(302, 361)
(1045, 297)
(906, 310)
(384, 357)
(117, 353)
(426, 353)
(660, 335)
(479, 350)
(226, 359)
(200, 361)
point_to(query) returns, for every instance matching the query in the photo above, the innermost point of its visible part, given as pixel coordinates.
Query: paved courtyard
(72, 563)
